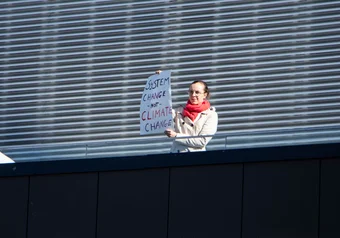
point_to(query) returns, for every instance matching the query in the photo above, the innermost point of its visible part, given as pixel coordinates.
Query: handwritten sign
(156, 105)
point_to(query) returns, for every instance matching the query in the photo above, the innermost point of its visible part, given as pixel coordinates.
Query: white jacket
(204, 124)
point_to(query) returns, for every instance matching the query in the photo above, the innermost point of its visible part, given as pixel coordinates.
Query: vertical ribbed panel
(72, 72)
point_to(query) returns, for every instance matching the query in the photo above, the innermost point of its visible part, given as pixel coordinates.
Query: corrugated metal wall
(72, 72)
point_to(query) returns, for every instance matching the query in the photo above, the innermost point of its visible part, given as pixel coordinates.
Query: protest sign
(156, 104)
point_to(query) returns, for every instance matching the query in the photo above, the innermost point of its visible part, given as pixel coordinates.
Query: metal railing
(85, 146)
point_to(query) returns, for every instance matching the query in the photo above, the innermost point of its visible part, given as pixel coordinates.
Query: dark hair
(206, 89)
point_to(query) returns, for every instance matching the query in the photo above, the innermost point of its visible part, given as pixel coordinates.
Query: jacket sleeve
(209, 128)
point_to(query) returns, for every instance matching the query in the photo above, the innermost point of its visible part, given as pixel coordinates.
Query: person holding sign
(197, 118)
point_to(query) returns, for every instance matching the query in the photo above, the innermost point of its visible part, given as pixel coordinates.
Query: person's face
(196, 93)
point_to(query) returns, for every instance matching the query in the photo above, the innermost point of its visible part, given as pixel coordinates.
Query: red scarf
(192, 110)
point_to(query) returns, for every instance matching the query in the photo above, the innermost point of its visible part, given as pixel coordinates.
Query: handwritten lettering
(155, 113)
(161, 112)
(153, 96)
(156, 83)
(157, 125)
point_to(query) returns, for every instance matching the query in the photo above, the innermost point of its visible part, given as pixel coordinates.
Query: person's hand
(158, 71)
(170, 133)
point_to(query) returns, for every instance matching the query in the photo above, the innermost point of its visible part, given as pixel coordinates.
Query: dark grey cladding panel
(205, 201)
(13, 206)
(133, 203)
(281, 199)
(330, 197)
(63, 205)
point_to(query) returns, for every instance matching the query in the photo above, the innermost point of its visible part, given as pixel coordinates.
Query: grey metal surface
(72, 73)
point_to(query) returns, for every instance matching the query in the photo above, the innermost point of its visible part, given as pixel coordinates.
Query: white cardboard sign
(156, 104)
